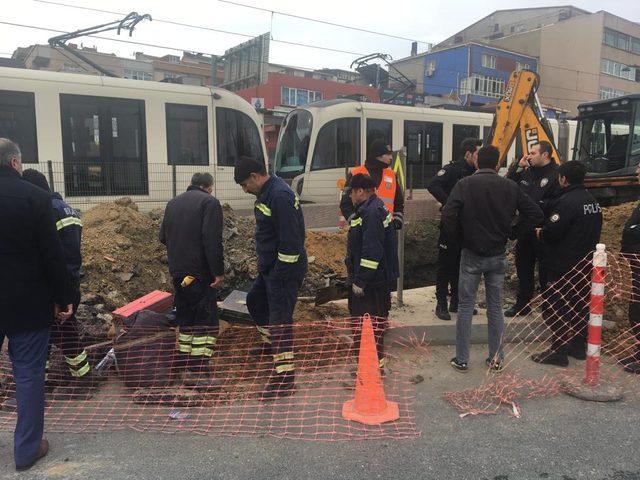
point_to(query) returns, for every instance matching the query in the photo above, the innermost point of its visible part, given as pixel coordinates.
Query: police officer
(537, 176)
(630, 248)
(449, 248)
(372, 260)
(282, 264)
(65, 335)
(192, 231)
(569, 234)
(377, 166)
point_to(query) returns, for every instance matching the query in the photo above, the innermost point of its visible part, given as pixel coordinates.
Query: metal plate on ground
(233, 308)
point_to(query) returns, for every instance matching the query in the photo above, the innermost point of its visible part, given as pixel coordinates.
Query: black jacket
(631, 233)
(375, 168)
(33, 274)
(572, 230)
(372, 245)
(481, 208)
(69, 228)
(192, 231)
(280, 230)
(539, 183)
(441, 185)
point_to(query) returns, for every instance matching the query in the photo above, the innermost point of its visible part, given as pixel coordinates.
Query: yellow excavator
(607, 139)
(519, 113)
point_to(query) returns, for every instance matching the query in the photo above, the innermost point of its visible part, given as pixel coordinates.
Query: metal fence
(150, 185)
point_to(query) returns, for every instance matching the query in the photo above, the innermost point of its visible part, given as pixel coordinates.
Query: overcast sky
(422, 20)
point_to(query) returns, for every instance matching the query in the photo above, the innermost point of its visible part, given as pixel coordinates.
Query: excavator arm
(519, 113)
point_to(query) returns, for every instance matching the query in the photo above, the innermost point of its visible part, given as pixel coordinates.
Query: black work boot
(279, 385)
(577, 348)
(551, 357)
(453, 305)
(441, 310)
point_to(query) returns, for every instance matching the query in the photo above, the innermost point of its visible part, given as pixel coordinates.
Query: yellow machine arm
(519, 113)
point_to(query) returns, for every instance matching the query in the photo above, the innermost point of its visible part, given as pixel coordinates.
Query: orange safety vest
(388, 184)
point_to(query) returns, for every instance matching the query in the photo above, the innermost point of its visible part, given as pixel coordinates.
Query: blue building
(474, 72)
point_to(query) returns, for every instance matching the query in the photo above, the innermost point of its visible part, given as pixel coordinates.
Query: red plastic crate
(157, 301)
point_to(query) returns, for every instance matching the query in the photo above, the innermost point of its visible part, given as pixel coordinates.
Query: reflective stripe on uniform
(287, 367)
(264, 209)
(387, 220)
(288, 258)
(68, 221)
(279, 357)
(184, 348)
(201, 352)
(184, 338)
(77, 360)
(369, 263)
(206, 340)
(81, 372)
(296, 203)
(263, 330)
(356, 222)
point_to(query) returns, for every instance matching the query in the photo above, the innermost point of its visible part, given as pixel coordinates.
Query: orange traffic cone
(369, 405)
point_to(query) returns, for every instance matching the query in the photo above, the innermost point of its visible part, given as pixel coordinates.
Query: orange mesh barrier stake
(369, 405)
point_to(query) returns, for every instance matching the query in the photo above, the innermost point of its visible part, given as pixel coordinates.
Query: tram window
(18, 122)
(104, 146)
(460, 132)
(376, 129)
(337, 145)
(187, 139)
(237, 136)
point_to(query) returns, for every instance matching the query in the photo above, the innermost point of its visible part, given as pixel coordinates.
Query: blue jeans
(472, 268)
(28, 354)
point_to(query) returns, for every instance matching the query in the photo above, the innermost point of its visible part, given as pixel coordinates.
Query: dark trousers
(566, 307)
(66, 337)
(28, 354)
(528, 251)
(634, 307)
(197, 319)
(377, 303)
(271, 302)
(447, 272)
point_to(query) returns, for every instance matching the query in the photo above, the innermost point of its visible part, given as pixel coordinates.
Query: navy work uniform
(282, 265)
(372, 264)
(192, 231)
(569, 234)
(66, 335)
(630, 248)
(449, 249)
(541, 184)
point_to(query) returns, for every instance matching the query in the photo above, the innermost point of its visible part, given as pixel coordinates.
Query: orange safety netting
(146, 390)
(562, 307)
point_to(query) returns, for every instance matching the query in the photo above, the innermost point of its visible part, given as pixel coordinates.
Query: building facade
(189, 69)
(473, 73)
(582, 56)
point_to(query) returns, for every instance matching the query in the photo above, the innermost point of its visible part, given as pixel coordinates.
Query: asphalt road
(556, 438)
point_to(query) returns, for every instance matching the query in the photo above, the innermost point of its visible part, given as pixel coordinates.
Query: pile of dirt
(613, 222)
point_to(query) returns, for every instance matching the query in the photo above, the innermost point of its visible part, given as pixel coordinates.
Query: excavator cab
(608, 143)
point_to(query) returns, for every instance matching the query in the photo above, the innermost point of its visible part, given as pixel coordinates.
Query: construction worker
(66, 335)
(630, 248)
(372, 260)
(568, 236)
(537, 176)
(449, 249)
(192, 231)
(282, 264)
(377, 166)
(35, 285)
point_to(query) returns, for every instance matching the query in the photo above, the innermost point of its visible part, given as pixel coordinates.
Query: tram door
(423, 141)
